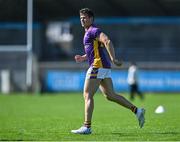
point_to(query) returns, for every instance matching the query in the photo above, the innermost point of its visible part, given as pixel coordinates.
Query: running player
(99, 52)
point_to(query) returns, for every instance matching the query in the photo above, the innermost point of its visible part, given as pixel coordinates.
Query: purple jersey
(96, 53)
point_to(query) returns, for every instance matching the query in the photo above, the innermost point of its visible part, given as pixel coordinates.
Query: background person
(133, 80)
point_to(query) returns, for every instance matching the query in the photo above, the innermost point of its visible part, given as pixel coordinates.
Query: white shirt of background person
(132, 75)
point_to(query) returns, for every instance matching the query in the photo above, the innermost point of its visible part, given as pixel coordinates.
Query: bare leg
(90, 88)
(106, 87)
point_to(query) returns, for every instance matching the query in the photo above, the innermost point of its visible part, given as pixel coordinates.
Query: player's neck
(87, 28)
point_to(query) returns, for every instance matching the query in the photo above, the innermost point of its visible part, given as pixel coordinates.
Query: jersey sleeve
(96, 32)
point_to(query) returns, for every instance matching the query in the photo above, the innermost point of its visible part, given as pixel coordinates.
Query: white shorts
(101, 73)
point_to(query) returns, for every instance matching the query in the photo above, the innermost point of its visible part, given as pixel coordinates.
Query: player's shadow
(150, 133)
(165, 133)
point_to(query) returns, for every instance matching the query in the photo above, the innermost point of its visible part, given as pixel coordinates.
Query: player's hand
(78, 58)
(117, 62)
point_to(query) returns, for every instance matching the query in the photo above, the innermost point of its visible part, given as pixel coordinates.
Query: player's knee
(109, 96)
(87, 96)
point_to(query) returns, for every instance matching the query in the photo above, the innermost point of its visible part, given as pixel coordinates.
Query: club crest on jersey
(86, 46)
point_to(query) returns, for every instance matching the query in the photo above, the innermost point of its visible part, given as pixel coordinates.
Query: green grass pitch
(52, 116)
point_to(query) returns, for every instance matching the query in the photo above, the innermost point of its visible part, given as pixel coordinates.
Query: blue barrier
(149, 81)
(64, 80)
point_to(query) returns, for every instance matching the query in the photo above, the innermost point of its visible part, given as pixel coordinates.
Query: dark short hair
(87, 11)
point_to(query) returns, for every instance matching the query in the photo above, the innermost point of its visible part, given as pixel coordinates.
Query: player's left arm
(103, 38)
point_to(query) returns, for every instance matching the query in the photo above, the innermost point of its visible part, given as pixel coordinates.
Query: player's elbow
(107, 42)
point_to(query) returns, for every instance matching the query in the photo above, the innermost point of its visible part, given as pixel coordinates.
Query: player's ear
(92, 19)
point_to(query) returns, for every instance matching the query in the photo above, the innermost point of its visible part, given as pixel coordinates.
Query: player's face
(86, 21)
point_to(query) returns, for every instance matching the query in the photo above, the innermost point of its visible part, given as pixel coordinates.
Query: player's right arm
(80, 58)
